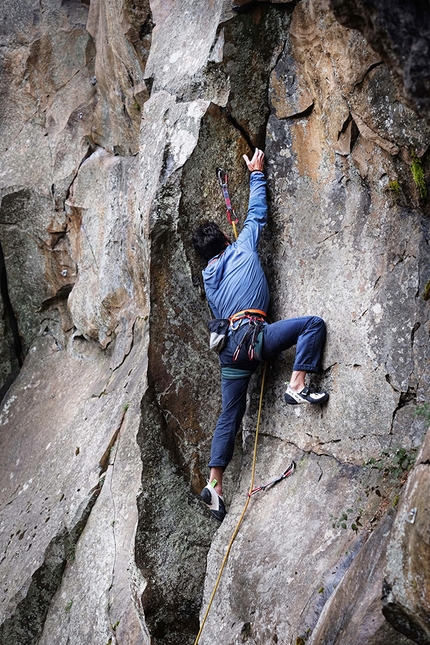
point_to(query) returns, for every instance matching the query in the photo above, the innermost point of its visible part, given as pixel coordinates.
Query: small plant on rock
(394, 463)
(394, 188)
(417, 171)
(345, 518)
(423, 411)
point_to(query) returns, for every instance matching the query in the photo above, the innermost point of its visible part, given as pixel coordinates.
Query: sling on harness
(255, 318)
(250, 337)
(231, 215)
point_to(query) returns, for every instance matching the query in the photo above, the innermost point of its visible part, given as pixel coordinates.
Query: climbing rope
(231, 215)
(252, 491)
(236, 530)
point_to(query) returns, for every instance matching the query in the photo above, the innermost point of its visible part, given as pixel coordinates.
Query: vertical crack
(9, 312)
(16, 348)
(25, 625)
(107, 460)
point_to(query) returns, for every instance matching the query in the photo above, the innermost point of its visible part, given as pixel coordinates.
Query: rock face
(115, 116)
(401, 36)
(406, 587)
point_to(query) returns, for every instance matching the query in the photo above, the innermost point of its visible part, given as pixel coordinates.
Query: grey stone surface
(72, 429)
(115, 117)
(406, 582)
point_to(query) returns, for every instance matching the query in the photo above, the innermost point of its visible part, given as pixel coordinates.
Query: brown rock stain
(307, 146)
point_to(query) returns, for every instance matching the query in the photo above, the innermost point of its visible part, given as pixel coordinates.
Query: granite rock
(115, 118)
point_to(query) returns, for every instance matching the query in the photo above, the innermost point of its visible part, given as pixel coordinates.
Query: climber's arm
(257, 208)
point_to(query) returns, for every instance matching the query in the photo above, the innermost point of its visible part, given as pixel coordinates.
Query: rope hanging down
(231, 215)
(289, 471)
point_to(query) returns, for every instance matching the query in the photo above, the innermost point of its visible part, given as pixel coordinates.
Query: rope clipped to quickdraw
(287, 473)
(231, 215)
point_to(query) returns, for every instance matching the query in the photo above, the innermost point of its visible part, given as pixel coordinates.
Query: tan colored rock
(114, 123)
(307, 145)
(401, 36)
(119, 75)
(108, 295)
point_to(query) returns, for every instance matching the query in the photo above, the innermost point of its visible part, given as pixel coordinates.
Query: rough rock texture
(400, 32)
(115, 116)
(406, 585)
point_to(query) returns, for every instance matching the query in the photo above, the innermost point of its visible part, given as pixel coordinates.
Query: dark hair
(209, 240)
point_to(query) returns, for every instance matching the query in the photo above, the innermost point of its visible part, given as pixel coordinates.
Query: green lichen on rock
(426, 293)
(394, 187)
(418, 175)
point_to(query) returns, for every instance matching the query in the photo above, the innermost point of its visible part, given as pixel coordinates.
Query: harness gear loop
(251, 334)
(231, 215)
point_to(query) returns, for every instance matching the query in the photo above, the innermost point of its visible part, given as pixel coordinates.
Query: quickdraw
(254, 327)
(289, 471)
(231, 215)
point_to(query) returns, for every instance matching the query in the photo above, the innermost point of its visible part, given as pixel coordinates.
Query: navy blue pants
(307, 333)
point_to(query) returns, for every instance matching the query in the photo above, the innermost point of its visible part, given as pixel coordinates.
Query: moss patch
(418, 175)
(394, 187)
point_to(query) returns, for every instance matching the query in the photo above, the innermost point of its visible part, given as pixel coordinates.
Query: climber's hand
(257, 161)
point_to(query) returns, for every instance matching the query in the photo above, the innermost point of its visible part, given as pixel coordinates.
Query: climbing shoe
(213, 501)
(307, 395)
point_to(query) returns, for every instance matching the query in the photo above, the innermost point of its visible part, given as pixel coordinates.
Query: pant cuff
(306, 367)
(215, 464)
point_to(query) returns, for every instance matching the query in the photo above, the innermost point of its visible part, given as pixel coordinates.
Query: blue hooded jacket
(234, 280)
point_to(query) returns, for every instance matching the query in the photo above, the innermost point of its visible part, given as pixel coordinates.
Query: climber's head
(209, 240)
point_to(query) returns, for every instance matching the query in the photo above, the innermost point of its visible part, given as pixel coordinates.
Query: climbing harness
(245, 314)
(219, 328)
(289, 471)
(231, 215)
(255, 318)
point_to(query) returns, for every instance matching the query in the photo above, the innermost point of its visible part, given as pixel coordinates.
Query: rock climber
(236, 289)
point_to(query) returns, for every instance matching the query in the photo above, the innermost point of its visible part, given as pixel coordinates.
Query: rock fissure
(47, 332)
(239, 128)
(367, 72)
(329, 237)
(12, 320)
(28, 618)
(105, 460)
(103, 184)
(112, 458)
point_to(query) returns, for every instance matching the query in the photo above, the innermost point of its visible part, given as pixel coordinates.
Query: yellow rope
(236, 530)
(234, 230)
